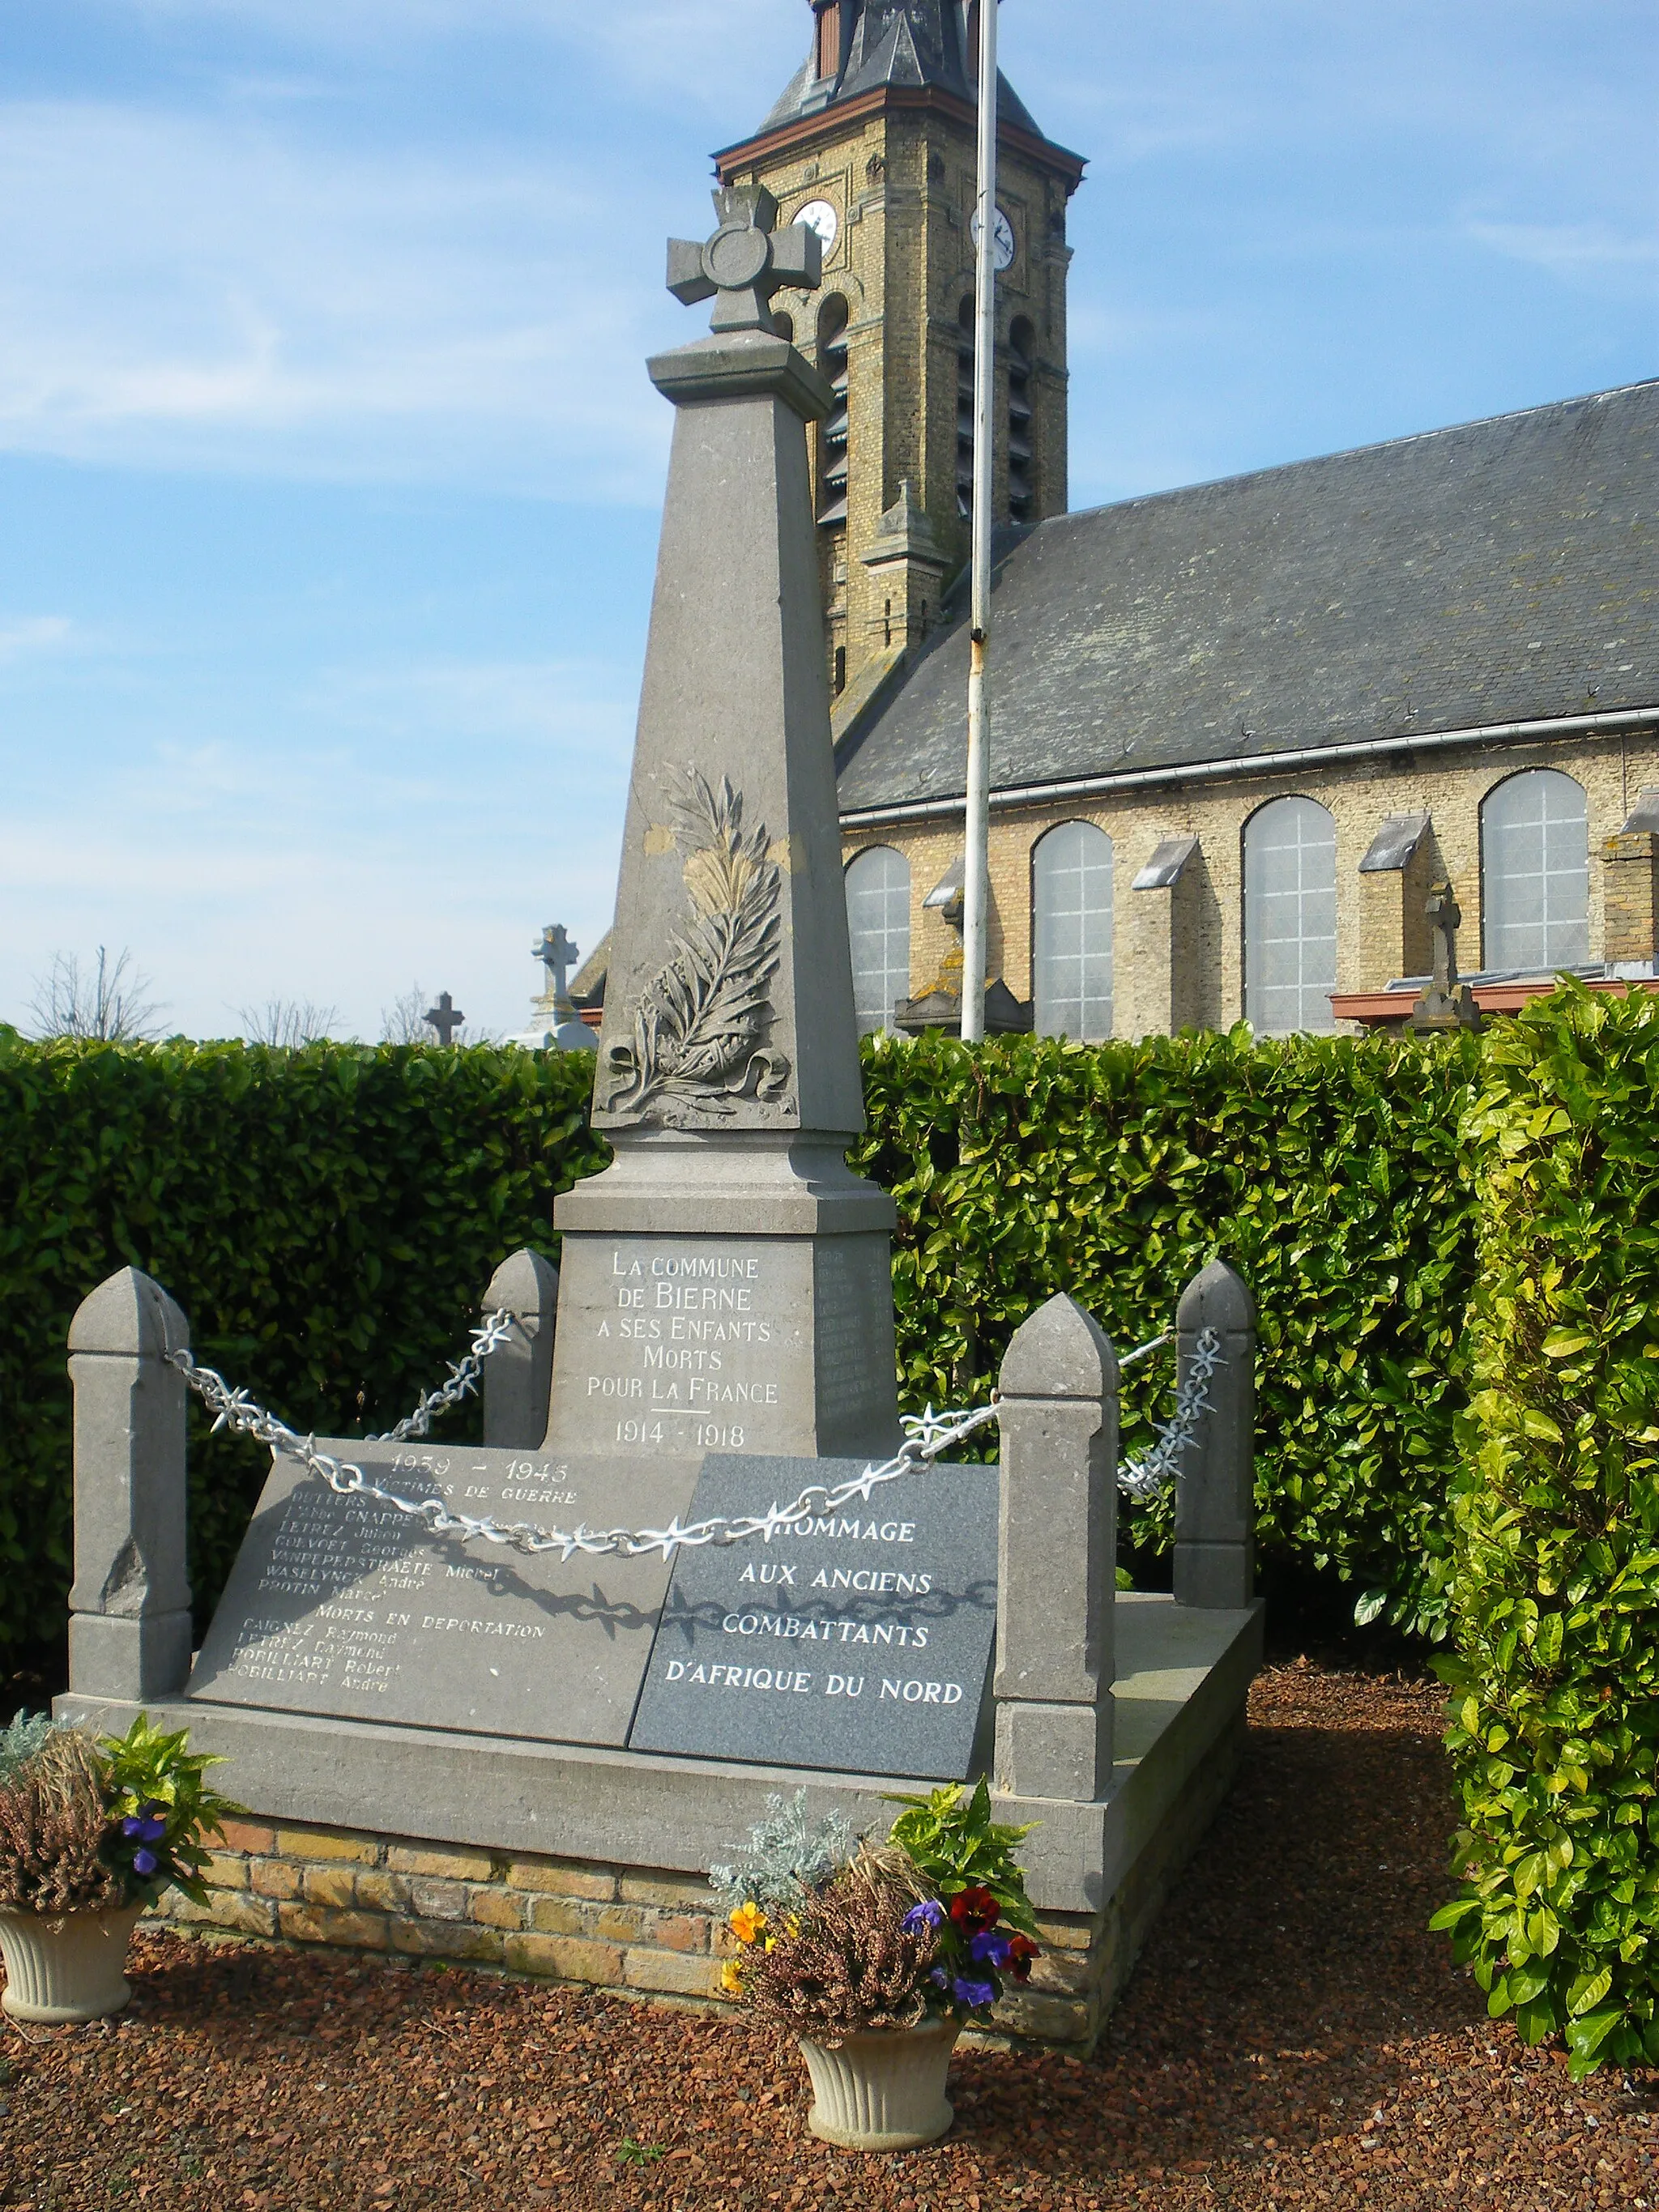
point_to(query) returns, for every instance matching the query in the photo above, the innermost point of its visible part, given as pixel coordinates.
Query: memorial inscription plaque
(859, 1641)
(338, 1605)
(721, 1344)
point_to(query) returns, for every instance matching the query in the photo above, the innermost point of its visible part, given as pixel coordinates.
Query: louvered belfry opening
(965, 411)
(832, 433)
(1022, 468)
(827, 47)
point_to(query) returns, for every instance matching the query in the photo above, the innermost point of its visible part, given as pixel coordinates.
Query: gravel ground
(1291, 2036)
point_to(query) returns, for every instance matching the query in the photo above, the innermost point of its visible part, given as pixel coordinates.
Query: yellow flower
(747, 1922)
(732, 1978)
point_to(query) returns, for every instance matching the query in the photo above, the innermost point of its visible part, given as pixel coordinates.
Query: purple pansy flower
(988, 1949)
(973, 1995)
(132, 1827)
(930, 1913)
(143, 1861)
(940, 1978)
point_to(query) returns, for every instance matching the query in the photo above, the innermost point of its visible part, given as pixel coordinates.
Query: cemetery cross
(446, 1017)
(557, 954)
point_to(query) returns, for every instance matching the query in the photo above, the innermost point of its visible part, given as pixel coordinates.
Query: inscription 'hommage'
(700, 1021)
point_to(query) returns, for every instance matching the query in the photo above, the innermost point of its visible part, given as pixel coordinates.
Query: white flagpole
(978, 827)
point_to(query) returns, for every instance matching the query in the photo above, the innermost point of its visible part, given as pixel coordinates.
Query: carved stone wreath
(700, 1024)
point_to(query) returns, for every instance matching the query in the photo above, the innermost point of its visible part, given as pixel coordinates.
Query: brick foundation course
(630, 1930)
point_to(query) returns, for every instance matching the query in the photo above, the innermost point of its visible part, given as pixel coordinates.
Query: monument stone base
(556, 1861)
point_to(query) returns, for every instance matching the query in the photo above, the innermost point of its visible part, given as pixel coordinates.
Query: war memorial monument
(526, 1753)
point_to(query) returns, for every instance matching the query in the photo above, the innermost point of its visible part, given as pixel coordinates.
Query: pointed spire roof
(899, 43)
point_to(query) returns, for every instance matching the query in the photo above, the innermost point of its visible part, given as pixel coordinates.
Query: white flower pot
(69, 1968)
(884, 2090)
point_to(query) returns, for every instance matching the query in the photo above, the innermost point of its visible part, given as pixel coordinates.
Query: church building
(1238, 730)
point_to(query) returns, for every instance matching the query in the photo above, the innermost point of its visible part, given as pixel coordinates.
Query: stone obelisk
(724, 1285)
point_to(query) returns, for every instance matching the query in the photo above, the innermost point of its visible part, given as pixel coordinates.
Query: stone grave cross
(446, 1017)
(1445, 920)
(744, 261)
(557, 954)
(1447, 1004)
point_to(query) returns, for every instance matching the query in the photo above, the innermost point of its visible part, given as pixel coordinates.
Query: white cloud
(25, 634)
(1582, 250)
(428, 824)
(201, 292)
(709, 55)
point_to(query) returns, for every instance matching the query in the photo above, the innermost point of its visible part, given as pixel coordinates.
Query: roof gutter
(1214, 771)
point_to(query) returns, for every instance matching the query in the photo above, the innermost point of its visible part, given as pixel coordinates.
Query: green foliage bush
(1328, 1171)
(1555, 1673)
(328, 1218)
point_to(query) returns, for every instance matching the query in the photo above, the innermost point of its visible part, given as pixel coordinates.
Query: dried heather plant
(849, 1963)
(52, 1826)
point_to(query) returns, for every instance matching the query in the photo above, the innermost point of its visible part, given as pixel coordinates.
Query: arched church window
(1022, 345)
(832, 433)
(1534, 871)
(878, 926)
(965, 409)
(784, 325)
(1072, 932)
(1290, 918)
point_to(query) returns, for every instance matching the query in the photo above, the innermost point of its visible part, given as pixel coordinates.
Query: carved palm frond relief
(701, 1023)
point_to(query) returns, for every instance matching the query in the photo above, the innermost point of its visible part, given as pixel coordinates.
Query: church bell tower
(873, 144)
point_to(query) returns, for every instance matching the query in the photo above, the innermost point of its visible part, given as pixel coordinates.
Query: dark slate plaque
(338, 1605)
(860, 1641)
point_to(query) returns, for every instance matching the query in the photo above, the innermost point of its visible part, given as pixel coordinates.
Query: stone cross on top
(557, 954)
(745, 261)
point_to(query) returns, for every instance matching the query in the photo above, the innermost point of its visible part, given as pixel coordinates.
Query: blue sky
(329, 469)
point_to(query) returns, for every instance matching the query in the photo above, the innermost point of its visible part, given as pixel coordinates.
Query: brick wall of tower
(903, 184)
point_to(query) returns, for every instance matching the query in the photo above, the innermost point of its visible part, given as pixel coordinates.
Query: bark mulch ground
(1291, 2036)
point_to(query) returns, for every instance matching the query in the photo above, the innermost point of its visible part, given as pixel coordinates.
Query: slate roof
(899, 42)
(1507, 570)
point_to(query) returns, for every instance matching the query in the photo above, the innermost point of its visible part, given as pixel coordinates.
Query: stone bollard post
(130, 1605)
(518, 1377)
(1057, 1574)
(1215, 1484)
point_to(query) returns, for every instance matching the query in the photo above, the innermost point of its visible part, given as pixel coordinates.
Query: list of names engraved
(342, 1605)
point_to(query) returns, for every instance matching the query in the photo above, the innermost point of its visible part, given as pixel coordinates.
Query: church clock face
(820, 217)
(1002, 235)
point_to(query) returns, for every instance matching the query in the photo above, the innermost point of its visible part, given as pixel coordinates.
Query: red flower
(974, 1910)
(1021, 1952)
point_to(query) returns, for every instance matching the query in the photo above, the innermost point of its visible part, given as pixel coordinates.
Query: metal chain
(1144, 1479)
(930, 1434)
(490, 1336)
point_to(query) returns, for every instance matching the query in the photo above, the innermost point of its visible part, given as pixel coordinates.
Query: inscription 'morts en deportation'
(859, 1640)
(338, 1605)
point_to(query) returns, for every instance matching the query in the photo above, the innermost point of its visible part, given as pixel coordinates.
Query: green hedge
(328, 1218)
(1555, 1675)
(1328, 1171)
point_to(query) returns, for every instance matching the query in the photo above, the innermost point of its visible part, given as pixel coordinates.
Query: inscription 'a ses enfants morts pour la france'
(859, 1641)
